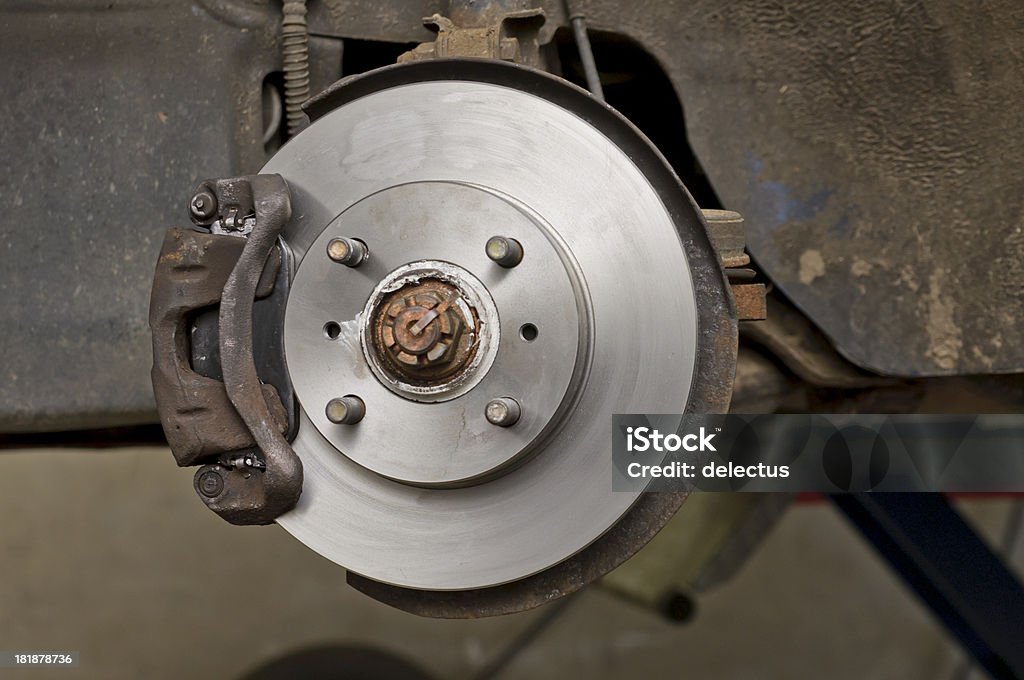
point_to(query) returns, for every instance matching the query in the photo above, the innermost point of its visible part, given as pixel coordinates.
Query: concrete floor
(111, 555)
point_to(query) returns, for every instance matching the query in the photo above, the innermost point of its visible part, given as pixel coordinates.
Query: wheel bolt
(503, 412)
(347, 410)
(350, 252)
(506, 252)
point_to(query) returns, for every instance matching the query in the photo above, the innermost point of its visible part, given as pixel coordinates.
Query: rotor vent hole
(332, 329)
(528, 332)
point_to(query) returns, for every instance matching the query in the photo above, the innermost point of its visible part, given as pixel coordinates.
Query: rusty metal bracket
(240, 422)
(750, 300)
(503, 35)
(727, 231)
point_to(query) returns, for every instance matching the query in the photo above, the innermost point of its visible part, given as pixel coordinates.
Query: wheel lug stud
(350, 252)
(347, 410)
(504, 251)
(503, 412)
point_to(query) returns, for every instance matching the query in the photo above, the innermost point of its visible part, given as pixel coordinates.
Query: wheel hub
(429, 328)
(419, 329)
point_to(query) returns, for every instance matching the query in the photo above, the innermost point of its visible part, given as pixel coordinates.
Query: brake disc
(490, 263)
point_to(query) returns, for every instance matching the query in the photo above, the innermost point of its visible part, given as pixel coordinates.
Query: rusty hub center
(425, 332)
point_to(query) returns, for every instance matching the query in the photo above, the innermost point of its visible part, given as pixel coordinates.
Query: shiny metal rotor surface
(426, 439)
(616, 291)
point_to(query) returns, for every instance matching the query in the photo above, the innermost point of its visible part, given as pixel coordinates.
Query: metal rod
(579, 32)
(938, 555)
(1012, 547)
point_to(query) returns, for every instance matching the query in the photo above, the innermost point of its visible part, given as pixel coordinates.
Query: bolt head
(203, 206)
(503, 412)
(210, 484)
(347, 410)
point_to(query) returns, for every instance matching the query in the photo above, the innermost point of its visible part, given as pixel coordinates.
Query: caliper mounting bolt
(347, 410)
(350, 252)
(503, 412)
(504, 251)
(210, 484)
(203, 206)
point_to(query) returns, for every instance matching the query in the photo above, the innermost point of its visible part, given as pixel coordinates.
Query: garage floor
(110, 554)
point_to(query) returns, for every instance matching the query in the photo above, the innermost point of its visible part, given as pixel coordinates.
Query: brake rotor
(482, 457)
